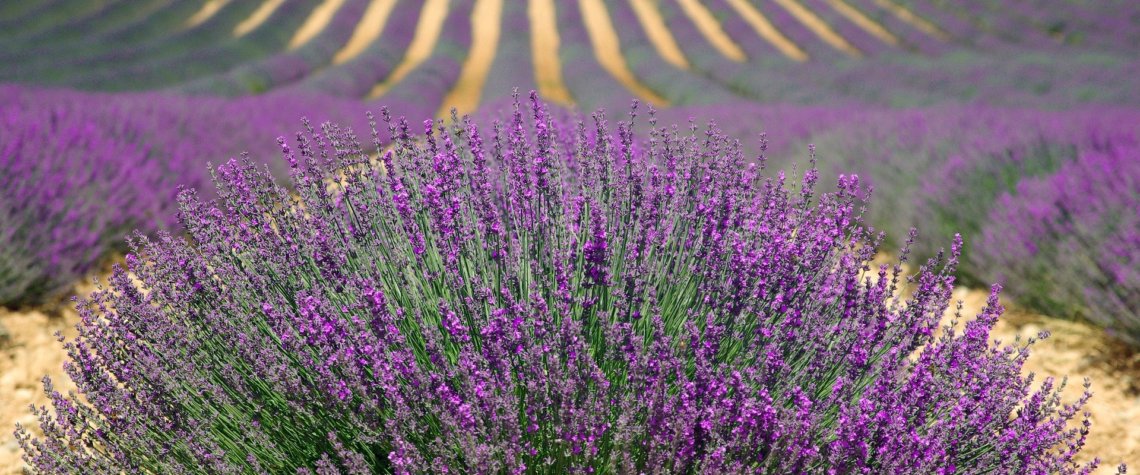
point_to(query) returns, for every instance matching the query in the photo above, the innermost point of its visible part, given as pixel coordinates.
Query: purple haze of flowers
(545, 298)
(69, 189)
(1071, 240)
(81, 170)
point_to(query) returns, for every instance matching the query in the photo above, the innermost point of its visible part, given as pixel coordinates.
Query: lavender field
(582, 236)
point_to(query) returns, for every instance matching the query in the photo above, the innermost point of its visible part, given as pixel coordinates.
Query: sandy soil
(31, 352)
(1074, 349)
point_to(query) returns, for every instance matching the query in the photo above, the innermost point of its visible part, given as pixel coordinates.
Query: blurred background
(1012, 122)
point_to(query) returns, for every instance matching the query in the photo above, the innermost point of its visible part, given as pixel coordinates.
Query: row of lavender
(537, 297)
(1111, 24)
(81, 170)
(1049, 201)
(951, 54)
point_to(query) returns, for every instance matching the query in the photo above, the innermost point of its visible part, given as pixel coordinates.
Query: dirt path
(31, 352)
(1074, 349)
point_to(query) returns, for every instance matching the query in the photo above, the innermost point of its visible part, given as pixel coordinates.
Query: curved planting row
(186, 54)
(498, 299)
(1047, 200)
(356, 77)
(590, 85)
(300, 61)
(1069, 241)
(422, 90)
(82, 170)
(729, 48)
(513, 65)
(185, 62)
(69, 190)
(91, 35)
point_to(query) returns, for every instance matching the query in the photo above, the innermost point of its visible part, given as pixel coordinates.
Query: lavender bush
(1017, 179)
(545, 298)
(944, 168)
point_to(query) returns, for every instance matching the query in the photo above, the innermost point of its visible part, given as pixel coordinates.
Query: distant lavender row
(69, 189)
(539, 298)
(285, 67)
(1071, 240)
(1009, 180)
(1027, 53)
(180, 56)
(1108, 24)
(81, 170)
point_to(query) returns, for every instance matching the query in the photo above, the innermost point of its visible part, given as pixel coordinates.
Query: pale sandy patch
(607, 50)
(1079, 351)
(255, 19)
(31, 352)
(544, 43)
(486, 22)
(430, 24)
(370, 28)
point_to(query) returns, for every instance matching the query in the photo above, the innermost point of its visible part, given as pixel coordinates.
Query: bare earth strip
(819, 27)
(607, 50)
(712, 31)
(544, 41)
(658, 32)
(913, 20)
(370, 28)
(256, 18)
(316, 23)
(428, 28)
(208, 10)
(863, 21)
(486, 20)
(767, 30)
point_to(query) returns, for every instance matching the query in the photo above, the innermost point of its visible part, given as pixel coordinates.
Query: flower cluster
(543, 298)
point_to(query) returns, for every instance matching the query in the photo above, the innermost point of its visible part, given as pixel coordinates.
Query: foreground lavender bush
(540, 300)
(1070, 242)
